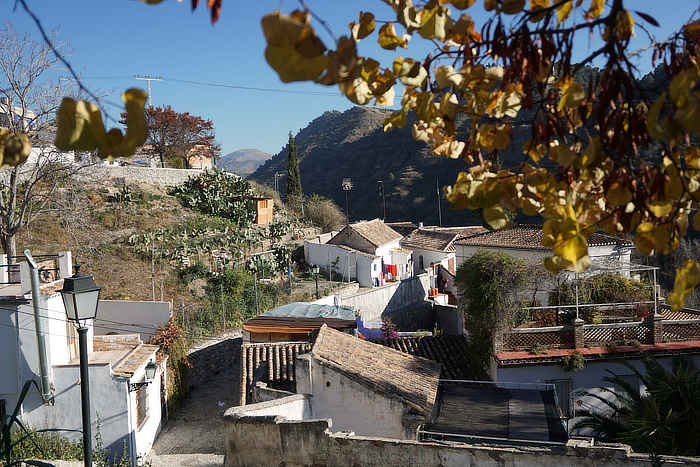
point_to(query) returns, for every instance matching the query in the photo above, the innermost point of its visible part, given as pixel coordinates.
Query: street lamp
(316, 269)
(80, 297)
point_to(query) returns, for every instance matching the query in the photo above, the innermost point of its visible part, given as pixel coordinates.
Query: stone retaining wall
(265, 440)
(212, 356)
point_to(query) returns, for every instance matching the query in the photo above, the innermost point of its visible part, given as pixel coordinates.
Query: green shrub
(573, 362)
(218, 194)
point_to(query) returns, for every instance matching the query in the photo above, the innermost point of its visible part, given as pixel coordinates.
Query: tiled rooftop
(408, 378)
(430, 240)
(375, 231)
(449, 351)
(403, 228)
(528, 237)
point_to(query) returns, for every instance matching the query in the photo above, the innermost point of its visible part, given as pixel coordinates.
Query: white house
(369, 252)
(525, 242)
(128, 407)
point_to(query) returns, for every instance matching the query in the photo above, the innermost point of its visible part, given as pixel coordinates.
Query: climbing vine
(489, 284)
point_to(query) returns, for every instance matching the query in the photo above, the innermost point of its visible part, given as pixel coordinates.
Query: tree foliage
(178, 137)
(582, 168)
(663, 420)
(294, 191)
(489, 284)
(323, 212)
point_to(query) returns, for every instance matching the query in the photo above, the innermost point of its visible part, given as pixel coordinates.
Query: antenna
(148, 79)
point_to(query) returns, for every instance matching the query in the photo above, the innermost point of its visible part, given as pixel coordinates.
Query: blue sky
(219, 72)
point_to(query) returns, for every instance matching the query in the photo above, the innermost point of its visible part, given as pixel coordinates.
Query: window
(420, 263)
(141, 405)
(2, 409)
(562, 387)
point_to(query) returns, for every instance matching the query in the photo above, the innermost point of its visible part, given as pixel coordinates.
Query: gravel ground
(194, 434)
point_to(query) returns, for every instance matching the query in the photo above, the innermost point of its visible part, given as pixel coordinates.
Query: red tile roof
(528, 237)
(375, 232)
(411, 379)
(449, 351)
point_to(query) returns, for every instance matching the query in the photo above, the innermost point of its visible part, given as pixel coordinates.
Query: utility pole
(347, 186)
(148, 79)
(383, 199)
(437, 183)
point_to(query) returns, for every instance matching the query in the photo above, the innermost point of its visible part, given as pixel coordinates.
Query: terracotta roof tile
(403, 228)
(449, 351)
(375, 231)
(430, 240)
(528, 237)
(411, 379)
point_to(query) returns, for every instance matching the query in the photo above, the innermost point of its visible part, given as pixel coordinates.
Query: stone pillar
(65, 266)
(579, 339)
(655, 323)
(4, 271)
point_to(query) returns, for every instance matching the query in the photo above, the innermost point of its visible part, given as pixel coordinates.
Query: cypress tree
(293, 178)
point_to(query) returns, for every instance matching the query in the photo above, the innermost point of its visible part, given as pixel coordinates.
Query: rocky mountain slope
(353, 144)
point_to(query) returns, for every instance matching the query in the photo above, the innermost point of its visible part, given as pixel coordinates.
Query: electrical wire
(227, 86)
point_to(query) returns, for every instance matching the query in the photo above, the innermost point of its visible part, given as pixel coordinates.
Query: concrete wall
(449, 320)
(352, 407)
(108, 397)
(123, 316)
(358, 266)
(274, 440)
(428, 257)
(291, 406)
(388, 299)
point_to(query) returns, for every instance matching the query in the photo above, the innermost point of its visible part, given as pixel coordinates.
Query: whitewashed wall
(351, 406)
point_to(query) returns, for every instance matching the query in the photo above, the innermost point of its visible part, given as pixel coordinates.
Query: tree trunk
(9, 247)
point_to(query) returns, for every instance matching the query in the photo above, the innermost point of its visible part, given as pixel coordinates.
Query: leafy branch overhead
(582, 167)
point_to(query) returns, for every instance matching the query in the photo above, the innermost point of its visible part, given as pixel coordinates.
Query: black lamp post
(316, 270)
(80, 297)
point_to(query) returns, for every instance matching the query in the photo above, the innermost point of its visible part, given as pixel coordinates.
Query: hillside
(352, 144)
(243, 162)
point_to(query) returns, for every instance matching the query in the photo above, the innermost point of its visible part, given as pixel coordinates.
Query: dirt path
(196, 427)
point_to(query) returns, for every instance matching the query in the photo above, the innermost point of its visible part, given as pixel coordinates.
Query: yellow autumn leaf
(410, 72)
(364, 28)
(692, 157)
(534, 151)
(680, 87)
(658, 128)
(687, 278)
(564, 10)
(644, 239)
(14, 148)
(692, 30)
(573, 250)
(388, 39)
(538, 5)
(293, 49)
(434, 22)
(624, 27)
(496, 218)
(356, 91)
(490, 5)
(447, 76)
(596, 9)
(136, 127)
(689, 116)
(80, 126)
(572, 92)
(459, 4)
(512, 7)
(618, 194)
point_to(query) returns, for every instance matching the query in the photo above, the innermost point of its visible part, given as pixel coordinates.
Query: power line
(228, 86)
